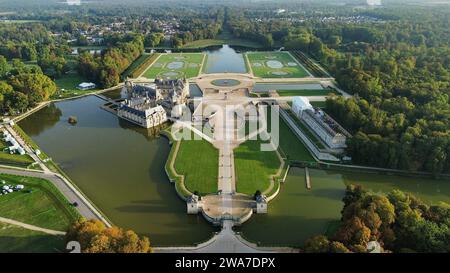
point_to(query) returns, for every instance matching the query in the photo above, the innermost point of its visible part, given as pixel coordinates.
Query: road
(72, 195)
(226, 241)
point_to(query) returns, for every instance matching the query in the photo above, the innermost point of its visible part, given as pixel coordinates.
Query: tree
(37, 87)
(317, 244)
(338, 247)
(16, 101)
(3, 67)
(95, 237)
(353, 232)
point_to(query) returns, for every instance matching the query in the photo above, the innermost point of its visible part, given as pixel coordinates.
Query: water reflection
(225, 59)
(119, 166)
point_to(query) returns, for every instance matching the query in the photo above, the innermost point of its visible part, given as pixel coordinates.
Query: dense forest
(23, 83)
(106, 68)
(397, 66)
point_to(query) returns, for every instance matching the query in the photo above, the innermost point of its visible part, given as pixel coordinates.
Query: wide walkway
(226, 241)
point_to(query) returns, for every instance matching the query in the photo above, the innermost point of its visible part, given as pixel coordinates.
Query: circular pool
(225, 82)
(274, 64)
(175, 65)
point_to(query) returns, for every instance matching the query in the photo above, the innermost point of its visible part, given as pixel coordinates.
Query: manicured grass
(198, 161)
(260, 66)
(224, 38)
(320, 104)
(67, 86)
(214, 42)
(30, 142)
(312, 92)
(15, 239)
(254, 167)
(13, 159)
(190, 65)
(44, 206)
(136, 65)
(290, 146)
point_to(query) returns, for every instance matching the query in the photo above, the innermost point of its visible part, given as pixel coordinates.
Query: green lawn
(13, 159)
(253, 167)
(312, 92)
(320, 104)
(275, 65)
(44, 206)
(30, 142)
(291, 146)
(67, 86)
(138, 62)
(198, 161)
(224, 38)
(214, 42)
(14, 239)
(167, 65)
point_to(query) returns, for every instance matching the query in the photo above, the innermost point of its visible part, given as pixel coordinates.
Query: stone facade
(194, 204)
(329, 131)
(150, 104)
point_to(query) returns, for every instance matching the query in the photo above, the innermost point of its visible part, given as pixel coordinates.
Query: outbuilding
(86, 86)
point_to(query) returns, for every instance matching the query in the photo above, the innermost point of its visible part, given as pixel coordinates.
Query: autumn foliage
(95, 237)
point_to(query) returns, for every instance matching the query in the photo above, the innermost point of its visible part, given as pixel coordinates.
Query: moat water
(120, 167)
(223, 60)
(297, 213)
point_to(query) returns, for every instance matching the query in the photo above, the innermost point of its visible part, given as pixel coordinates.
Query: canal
(223, 60)
(297, 213)
(119, 166)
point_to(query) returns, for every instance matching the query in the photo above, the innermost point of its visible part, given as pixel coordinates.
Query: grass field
(140, 60)
(214, 42)
(254, 167)
(198, 161)
(320, 104)
(13, 159)
(139, 65)
(44, 206)
(291, 147)
(275, 65)
(224, 38)
(67, 86)
(175, 65)
(14, 239)
(312, 92)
